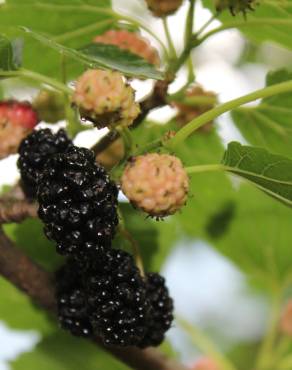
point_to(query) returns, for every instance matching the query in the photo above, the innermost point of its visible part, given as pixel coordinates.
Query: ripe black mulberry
(117, 297)
(77, 203)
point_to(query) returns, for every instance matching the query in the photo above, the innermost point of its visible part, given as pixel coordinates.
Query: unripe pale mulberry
(17, 120)
(104, 98)
(131, 41)
(161, 8)
(206, 100)
(156, 184)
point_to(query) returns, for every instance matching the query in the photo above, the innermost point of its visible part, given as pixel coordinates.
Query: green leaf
(73, 24)
(113, 57)
(6, 54)
(269, 172)
(61, 351)
(103, 56)
(269, 124)
(259, 238)
(205, 199)
(270, 21)
(29, 236)
(244, 355)
(18, 312)
(219, 222)
(154, 238)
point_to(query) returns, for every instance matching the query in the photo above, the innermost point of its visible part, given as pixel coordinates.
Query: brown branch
(16, 267)
(38, 285)
(16, 210)
(14, 193)
(155, 100)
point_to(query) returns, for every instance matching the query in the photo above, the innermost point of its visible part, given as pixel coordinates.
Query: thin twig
(16, 210)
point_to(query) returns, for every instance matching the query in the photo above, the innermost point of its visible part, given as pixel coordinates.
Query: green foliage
(269, 172)
(102, 56)
(244, 355)
(73, 24)
(6, 54)
(154, 238)
(271, 21)
(29, 236)
(259, 237)
(205, 198)
(112, 57)
(268, 124)
(20, 313)
(61, 351)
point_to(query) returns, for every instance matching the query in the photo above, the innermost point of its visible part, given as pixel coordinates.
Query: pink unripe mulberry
(104, 98)
(18, 114)
(156, 183)
(17, 120)
(131, 41)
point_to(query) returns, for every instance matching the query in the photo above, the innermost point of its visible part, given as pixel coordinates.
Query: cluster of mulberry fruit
(108, 296)
(100, 291)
